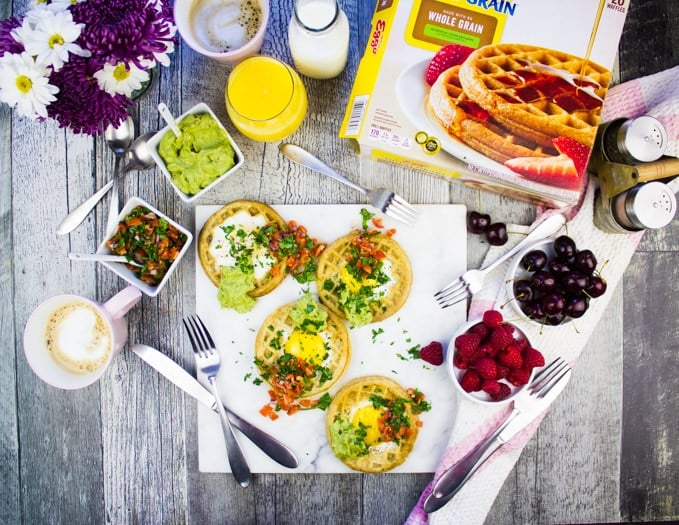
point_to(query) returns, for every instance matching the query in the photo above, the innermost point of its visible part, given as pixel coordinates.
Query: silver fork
(208, 362)
(471, 281)
(544, 388)
(383, 199)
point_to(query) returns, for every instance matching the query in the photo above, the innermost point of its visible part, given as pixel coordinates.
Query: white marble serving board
(437, 246)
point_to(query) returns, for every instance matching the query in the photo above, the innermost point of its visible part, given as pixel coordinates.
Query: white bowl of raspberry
(490, 360)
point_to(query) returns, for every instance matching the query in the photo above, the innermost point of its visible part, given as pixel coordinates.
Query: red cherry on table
(496, 234)
(477, 222)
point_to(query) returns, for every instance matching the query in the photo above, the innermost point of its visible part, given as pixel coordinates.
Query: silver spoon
(167, 117)
(102, 257)
(118, 140)
(138, 158)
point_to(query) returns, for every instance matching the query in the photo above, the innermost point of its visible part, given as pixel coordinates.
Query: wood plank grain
(125, 450)
(10, 510)
(649, 40)
(60, 435)
(650, 438)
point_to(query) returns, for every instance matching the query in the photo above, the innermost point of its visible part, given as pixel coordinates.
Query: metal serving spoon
(118, 140)
(104, 257)
(139, 158)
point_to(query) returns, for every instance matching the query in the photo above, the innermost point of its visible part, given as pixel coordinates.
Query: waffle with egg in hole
(465, 120)
(300, 364)
(382, 287)
(215, 250)
(537, 92)
(353, 410)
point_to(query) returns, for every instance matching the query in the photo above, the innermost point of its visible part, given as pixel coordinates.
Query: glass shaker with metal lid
(631, 141)
(645, 206)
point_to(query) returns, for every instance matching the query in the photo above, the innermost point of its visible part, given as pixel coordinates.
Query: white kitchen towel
(656, 95)
(474, 422)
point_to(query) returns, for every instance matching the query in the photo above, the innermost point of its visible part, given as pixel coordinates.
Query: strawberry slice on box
(445, 58)
(579, 153)
(563, 171)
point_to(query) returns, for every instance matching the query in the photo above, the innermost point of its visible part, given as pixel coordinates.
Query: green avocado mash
(346, 440)
(234, 285)
(307, 315)
(198, 156)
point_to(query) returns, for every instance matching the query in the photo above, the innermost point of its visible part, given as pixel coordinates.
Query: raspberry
(521, 343)
(466, 344)
(490, 387)
(478, 354)
(460, 362)
(446, 57)
(503, 393)
(481, 329)
(500, 337)
(487, 349)
(510, 357)
(532, 358)
(432, 353)
(486, 367)
(470, 381)
(518, 377)
(492, 318)
(502, 371)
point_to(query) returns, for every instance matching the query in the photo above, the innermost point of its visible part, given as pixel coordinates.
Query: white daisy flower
(38, 10)
(50, 36)
(24, 84)
(121, 78)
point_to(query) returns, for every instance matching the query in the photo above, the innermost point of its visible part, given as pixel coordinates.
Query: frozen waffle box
(505, 95)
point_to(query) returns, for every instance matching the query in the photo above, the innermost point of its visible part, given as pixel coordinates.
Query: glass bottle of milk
(318, 36)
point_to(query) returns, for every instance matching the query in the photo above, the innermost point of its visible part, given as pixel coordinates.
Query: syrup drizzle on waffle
(535, 82)
(592, 36)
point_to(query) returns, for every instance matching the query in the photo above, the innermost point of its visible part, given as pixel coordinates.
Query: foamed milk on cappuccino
(225, 25)
(78, 337)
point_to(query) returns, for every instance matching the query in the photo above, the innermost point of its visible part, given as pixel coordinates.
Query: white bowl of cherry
(553, 281)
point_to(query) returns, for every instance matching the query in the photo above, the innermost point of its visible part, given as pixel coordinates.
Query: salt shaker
(651, 205)
(318, 36)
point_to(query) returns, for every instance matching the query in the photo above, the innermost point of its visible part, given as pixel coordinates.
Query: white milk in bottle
(318, 36)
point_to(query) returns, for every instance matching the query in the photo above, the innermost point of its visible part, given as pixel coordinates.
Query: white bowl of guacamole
(202, 156)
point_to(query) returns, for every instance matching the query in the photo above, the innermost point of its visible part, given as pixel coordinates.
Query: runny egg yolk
(309, 347)
(352, 283)
(368, 416)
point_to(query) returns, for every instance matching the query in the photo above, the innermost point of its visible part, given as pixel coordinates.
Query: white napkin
(474, 422)
(655, 95)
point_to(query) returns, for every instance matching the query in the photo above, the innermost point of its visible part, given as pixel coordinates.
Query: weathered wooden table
(125, 449)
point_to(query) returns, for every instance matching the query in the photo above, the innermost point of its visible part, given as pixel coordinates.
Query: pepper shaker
(645, 206)
(631, 141)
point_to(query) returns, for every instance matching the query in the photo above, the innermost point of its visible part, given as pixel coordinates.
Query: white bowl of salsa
(150, 238)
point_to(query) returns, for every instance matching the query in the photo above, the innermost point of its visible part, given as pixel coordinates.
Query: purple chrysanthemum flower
(81, 104)
(126, 30)
(7, 42)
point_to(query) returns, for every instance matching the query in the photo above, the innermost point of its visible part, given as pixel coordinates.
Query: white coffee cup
(84, 337)
(199, 22)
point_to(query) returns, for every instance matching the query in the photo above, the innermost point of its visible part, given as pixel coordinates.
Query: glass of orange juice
(265, 98)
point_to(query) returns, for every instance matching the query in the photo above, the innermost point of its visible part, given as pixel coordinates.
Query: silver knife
(189, 384)
(526, 409)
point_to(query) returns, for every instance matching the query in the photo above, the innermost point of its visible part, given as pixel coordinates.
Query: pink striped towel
(657, 95)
